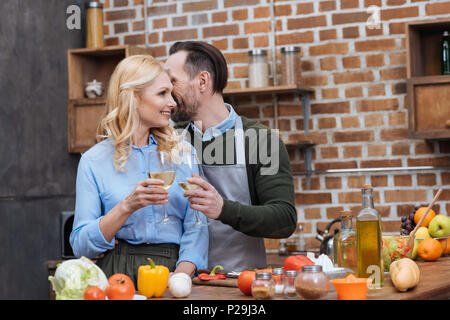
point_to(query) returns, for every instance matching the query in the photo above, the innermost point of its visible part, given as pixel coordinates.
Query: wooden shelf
(299, 144)
(268, 90)
(428, 92)
(84, 65)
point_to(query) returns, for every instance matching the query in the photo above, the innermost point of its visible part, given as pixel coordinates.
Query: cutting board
(229, 282)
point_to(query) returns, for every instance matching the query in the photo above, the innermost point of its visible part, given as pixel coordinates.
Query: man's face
(184, 91)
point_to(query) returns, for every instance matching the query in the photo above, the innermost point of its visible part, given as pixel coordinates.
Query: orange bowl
(356, 289)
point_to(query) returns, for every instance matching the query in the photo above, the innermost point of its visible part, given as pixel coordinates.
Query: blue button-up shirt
(219, 129)
(100, 187)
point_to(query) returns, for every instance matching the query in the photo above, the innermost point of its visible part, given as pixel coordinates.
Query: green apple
(421, 233)
(439, 226)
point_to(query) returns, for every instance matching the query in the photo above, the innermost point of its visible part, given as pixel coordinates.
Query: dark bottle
(445, 52)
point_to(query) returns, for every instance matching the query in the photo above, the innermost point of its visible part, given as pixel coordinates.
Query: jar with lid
(278, 277)
(289, 284)
(263, 286)
(258, 68)
(290, 65)
(312, 282)
(94, 22)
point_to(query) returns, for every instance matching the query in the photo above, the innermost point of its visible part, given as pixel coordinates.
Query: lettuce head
(73, 277)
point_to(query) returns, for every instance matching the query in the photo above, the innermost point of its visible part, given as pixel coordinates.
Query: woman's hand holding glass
(143, 195)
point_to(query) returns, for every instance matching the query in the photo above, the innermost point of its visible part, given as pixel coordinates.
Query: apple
(421, 233)
(439, 226)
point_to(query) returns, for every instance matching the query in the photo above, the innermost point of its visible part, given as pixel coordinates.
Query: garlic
(180, 285)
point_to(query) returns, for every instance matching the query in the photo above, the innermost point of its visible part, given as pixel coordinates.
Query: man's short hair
(202, 56)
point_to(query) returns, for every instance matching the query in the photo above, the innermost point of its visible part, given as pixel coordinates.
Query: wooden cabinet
(85, 65)
(428, 91)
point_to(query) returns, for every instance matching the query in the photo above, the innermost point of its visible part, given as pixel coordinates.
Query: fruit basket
(395, 247)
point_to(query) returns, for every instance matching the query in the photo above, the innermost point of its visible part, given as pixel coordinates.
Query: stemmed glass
(163, 167)
(186, 186)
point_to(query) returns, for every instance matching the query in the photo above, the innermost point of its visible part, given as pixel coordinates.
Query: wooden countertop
(434, 284)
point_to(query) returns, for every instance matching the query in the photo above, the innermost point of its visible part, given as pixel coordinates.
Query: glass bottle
(94, 22)
(369, 241)
(263, 286)
(312, 282)
(278, 280)
(258, 68)
(289, 284)
(290, 65)
(445, 54)
(346, 243)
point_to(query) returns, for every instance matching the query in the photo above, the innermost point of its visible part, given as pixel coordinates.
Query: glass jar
(289, 284)
(290, 65)
(278, 280)
(258, 69)
(312, 282)
(94, 22)
(263, 286)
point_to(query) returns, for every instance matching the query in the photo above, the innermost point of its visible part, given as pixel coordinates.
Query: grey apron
(231, 249)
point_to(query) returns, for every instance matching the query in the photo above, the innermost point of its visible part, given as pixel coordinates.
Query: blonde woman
(116, 203)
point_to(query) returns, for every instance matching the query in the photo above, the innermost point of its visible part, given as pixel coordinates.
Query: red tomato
(245, 280)
(121, 287)
(94, 293)
(296, 262)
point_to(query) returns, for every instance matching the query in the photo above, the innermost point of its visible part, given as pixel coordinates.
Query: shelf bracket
(306, 108)
(308, 163)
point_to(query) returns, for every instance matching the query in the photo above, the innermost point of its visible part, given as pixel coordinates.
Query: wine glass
(162, 166)
(186, 186)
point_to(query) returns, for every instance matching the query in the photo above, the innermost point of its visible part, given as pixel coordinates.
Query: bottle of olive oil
(369, 241)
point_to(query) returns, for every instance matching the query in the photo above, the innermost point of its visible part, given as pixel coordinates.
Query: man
(247, 196)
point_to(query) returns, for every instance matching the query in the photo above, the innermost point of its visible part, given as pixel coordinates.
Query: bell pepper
(212, 275)
(296, 262)
(152, 279)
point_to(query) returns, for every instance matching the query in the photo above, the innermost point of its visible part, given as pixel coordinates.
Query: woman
(116, 203)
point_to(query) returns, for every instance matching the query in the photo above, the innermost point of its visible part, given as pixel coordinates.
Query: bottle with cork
(369, 241)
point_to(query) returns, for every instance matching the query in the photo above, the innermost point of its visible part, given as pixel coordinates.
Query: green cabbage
(73, 277)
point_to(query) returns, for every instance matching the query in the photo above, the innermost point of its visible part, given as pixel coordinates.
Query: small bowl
(338, 273)
(395, 247)
(352, 290)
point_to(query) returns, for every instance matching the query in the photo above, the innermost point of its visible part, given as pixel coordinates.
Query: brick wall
(359, 110)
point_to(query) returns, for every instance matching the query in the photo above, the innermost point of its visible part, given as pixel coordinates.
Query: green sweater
(272, 213)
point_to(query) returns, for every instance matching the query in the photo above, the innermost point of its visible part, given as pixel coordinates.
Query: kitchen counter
(434, 284)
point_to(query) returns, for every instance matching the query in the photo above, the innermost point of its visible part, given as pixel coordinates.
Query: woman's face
(156, 102)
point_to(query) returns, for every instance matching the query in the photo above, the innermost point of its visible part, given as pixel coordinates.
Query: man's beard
(183, 112)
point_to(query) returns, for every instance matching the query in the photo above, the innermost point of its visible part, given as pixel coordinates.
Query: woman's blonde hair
(121, 119)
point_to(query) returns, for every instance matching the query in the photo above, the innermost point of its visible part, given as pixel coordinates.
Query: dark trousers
(126, 258)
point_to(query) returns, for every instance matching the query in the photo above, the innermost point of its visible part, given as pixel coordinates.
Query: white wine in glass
(161, 166)
(186, 186)
(167, 176)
